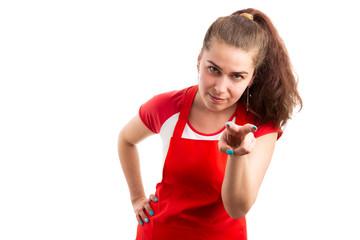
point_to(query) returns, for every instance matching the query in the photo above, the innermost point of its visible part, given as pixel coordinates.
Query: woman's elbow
(238, 210)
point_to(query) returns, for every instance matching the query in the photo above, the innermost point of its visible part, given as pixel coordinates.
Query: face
(224, 74)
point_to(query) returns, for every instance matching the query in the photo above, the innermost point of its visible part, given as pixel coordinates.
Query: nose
(220, 85)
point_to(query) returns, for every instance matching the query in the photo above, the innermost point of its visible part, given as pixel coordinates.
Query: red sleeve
(267, 128)
(262, 129)
(161, 107)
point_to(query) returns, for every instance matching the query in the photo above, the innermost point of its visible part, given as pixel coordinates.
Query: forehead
(229, 56)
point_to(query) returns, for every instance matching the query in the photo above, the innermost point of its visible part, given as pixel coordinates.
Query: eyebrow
(243, 72)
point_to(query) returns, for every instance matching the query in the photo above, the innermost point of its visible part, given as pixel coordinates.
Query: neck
(207, 121)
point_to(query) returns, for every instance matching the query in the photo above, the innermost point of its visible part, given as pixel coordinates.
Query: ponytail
(274, 92)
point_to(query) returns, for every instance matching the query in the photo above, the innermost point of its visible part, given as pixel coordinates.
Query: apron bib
(189, 195)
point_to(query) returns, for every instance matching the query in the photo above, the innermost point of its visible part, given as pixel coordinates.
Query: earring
(247, 99)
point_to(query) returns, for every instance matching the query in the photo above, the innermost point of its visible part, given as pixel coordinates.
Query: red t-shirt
(161, 113)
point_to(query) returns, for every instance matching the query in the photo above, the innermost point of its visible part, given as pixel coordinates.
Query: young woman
(219, 135)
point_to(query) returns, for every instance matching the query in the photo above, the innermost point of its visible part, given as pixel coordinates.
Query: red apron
(189, 196)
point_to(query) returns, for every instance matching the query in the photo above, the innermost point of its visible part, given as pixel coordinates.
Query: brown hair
(274, 92)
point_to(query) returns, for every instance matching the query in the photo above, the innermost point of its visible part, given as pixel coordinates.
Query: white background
(74, 72)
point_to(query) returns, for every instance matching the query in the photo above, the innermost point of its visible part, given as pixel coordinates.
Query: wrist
(238, 158)
(134, 199)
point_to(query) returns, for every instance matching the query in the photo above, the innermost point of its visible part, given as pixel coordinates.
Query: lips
(216, 99)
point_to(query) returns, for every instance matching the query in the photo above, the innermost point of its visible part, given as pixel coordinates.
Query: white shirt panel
(167, 130)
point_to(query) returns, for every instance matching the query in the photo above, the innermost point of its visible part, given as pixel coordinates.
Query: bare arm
(130, 135)
(245, 171)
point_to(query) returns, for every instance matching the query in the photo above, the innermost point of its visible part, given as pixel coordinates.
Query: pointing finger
(237, 130)
(248, 128)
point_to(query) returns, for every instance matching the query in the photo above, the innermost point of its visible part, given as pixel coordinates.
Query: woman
(219, 136)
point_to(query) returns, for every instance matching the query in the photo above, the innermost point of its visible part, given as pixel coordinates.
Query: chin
(215, 107)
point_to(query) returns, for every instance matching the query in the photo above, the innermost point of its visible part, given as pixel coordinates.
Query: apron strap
(240, 114)
(243, 117)
(184, 111)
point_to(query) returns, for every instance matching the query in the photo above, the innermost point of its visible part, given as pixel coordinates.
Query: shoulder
(161, 107)
(266, 128)
(262, 129)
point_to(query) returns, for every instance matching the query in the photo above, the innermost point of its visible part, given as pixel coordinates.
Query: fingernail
(146, 220)
(151, 213)
(228, 124)
(254, 127)
(156, 199)
(229, 152)
(141, 223)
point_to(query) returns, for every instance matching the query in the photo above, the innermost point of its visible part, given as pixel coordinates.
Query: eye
(238, 76)
(213, 69)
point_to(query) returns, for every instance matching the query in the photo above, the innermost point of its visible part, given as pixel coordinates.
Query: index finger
(236, 130)
(248, 128)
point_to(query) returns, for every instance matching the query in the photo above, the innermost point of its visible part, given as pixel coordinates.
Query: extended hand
(237, 140)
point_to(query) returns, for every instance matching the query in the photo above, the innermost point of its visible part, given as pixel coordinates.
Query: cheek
(206, 79)
(237, 90)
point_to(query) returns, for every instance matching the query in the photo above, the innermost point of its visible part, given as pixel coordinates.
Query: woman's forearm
(244, 175)
(238, 191)
(129, 159)
(134, 132)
